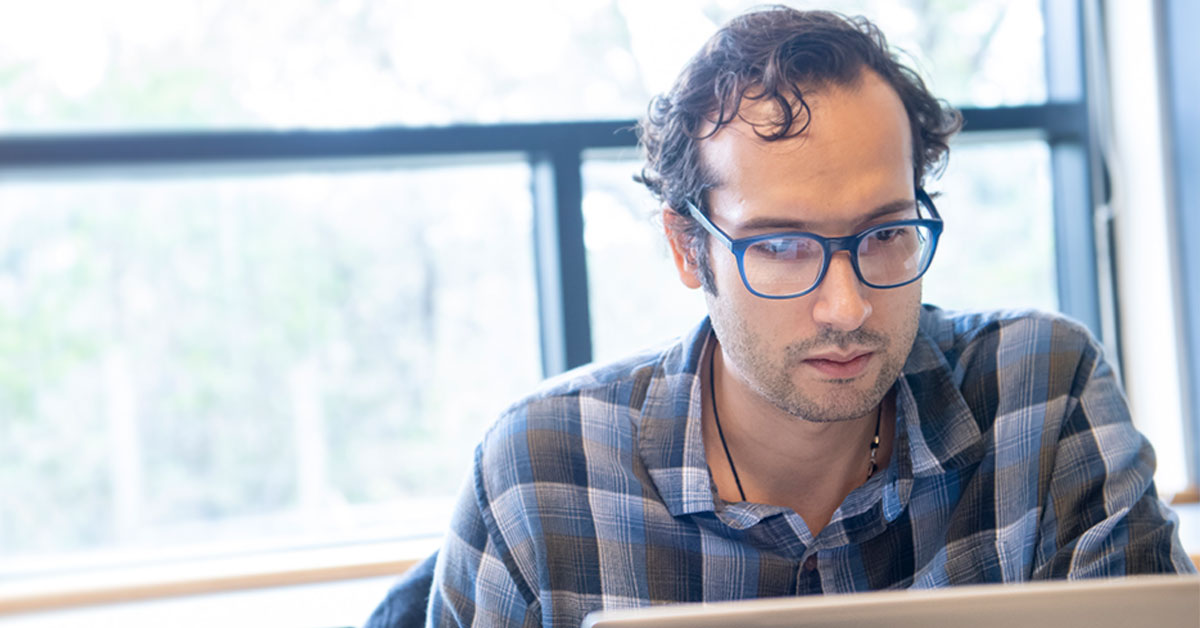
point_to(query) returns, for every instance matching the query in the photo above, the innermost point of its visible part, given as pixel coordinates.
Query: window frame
(555, 151)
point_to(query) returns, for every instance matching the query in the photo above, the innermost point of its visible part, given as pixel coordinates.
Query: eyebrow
(787, 224)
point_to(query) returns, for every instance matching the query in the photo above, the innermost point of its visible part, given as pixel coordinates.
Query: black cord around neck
(712, 389)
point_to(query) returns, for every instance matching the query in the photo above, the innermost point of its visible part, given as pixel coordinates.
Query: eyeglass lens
(887, 256)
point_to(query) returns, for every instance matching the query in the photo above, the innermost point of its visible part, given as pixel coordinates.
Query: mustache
(797, 352)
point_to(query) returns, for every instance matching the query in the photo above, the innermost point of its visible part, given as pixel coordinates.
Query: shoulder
(570, 422)
(956, 328)
(1018, 362)
(1003, 336)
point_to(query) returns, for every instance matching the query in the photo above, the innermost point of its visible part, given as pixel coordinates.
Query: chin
(832, 401)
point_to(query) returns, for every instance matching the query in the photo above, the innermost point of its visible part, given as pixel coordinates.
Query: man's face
(833, 353)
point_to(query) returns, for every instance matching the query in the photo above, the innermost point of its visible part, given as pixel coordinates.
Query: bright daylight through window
(298, 353)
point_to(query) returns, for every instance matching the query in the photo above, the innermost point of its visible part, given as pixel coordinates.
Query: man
(820, 431)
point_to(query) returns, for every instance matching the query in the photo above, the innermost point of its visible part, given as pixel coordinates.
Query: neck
(769, 450)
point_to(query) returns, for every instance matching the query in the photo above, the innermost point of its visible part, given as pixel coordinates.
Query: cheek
(905, 298)
(913, 297)
(732, 294)
(724, 267)
(901, 308)
(759, 321)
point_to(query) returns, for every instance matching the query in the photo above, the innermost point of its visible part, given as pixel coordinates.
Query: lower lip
(841, 370)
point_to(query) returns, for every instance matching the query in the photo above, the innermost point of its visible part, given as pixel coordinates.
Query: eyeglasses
(791, 264)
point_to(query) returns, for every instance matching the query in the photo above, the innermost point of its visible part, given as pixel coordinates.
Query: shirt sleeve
(1102, 516)
(476, 582)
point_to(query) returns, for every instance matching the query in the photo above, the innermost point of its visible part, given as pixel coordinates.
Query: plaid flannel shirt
(1015, 459)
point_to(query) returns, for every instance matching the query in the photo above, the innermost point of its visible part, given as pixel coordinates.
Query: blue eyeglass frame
(828, 245)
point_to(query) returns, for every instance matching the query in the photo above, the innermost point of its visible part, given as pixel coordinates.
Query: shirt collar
(669, 436)
(941, 430)
(940, 433)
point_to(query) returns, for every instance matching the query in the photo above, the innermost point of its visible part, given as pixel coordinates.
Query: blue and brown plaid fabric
(1015, 459)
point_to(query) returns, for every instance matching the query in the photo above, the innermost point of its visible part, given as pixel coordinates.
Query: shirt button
(810, 563)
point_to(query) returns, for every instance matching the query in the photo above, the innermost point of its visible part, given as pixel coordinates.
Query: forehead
(856, 154)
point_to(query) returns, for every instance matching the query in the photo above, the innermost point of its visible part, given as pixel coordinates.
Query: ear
(681, 251)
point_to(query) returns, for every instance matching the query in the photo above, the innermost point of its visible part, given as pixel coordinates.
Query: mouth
(841, 365)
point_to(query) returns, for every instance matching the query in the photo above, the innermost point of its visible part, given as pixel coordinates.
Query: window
(266, 276)
(635, 295)
(133, 64)
(997, 249)
(280, 357)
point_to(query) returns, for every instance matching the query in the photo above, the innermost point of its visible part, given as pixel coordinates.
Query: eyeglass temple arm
(924, 199)
(708, 225)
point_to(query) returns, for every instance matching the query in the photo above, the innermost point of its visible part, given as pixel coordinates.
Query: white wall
(1147, 266)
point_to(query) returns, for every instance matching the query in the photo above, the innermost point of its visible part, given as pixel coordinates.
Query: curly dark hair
(769, 55)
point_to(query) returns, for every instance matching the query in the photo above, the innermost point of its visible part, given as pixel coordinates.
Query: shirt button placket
(808, 579)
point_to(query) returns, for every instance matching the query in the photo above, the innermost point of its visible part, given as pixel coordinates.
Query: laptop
(1160, 601)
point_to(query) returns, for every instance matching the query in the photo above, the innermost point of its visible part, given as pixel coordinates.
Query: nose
(840, 301)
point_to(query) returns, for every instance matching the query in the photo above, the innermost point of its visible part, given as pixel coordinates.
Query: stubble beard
(841, 400)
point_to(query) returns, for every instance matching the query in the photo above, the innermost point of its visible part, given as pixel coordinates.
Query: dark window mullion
(561, 260)
(1071, 171)
(1074, 236)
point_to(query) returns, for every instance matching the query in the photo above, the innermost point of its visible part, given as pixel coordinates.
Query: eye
(785, 249)
(777, 248)
(883, 235)
(888, 235)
